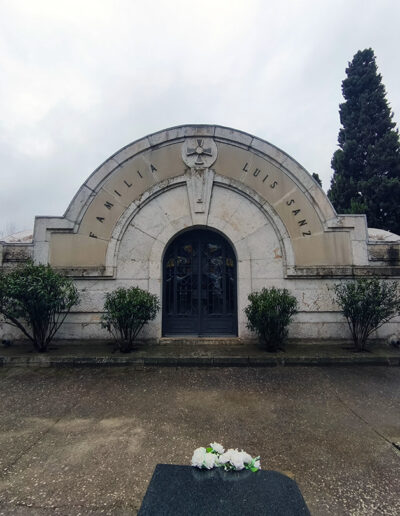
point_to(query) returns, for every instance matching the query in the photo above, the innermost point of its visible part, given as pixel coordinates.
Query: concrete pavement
(86, 441)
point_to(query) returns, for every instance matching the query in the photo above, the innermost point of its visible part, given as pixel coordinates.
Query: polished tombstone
(187, 490)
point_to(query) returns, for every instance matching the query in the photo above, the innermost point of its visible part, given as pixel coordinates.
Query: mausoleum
(202, 215)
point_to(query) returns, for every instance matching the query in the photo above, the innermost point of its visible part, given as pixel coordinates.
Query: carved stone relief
(199, 154)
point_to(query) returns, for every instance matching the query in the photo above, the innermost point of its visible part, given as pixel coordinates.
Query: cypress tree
(317, 178)
(366, 166)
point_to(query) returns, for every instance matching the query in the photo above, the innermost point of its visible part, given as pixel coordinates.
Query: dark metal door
(199, 289)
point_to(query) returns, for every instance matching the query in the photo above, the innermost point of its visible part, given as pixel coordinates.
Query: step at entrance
(201, 341)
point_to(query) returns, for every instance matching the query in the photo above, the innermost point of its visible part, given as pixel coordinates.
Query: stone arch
(83, 240)
(141, 245)
(170, 230)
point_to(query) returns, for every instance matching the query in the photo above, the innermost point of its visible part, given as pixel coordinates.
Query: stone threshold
(198, 353)
(137, 362)
(203, 341)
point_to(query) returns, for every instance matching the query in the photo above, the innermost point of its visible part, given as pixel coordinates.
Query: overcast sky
(81, 79)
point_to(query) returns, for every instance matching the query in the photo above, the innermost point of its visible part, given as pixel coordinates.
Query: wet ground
(86, 440)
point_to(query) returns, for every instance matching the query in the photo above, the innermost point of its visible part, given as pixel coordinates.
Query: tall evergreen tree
(317, 178)
(366, 166)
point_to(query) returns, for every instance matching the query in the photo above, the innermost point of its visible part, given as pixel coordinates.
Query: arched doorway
(199, 285)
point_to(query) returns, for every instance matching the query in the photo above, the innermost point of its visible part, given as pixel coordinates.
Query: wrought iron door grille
(199, 290)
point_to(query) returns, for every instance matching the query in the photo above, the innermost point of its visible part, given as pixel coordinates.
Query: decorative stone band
(313, 235)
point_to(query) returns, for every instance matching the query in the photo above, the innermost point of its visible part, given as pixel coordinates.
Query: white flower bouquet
(231, 460)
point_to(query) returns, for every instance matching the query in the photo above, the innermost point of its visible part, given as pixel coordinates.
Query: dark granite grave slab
(181, 490)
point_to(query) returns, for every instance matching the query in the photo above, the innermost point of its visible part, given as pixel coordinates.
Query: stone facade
(282, 227)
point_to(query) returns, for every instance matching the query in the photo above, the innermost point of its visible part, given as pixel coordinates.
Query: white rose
(217, 447)
(198, 457)
(237, 460)
(225, 457)
(209, 460)
(257, 464)
(246, 457)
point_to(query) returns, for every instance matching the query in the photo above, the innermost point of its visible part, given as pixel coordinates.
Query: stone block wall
(283, 229)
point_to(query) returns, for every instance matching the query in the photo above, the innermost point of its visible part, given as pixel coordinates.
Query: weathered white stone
(360, 252)
(157, 253)
(266, 269)
(244, 289)
(90, 329)
(147, 184)
(131, 150)
(75, 210)
(90, 301)
(221, 210)
(41, 253)
(44, 224)
(319, 201)
(155, 269)
(269, 150)
(150, 221)
(238, 137)
(96, 179)
(173, 228)
(175, 133)
(380, 235)
(320, 300)
(199, 130)
(133, 254)
(244, 271)
(174, 204)
(95, 285)
(239, 217)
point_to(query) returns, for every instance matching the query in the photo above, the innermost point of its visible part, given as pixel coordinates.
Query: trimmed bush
(269, 314)
(36, 299)
(127, 310)
(367, 304)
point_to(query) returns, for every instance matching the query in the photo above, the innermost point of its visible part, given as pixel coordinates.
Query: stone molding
(220, 134)
(129, 215)
(316, 235)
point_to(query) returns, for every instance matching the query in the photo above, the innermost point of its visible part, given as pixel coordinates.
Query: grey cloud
(84, 80)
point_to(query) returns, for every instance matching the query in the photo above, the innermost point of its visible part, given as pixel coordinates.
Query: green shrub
(36, 299)
(269, 314)
(127, 310)
(367, 304)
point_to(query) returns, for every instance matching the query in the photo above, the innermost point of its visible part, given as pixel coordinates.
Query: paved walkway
(86, 440)
(217, 352)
